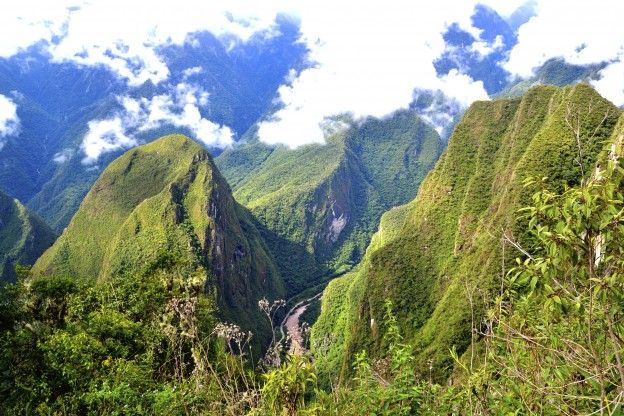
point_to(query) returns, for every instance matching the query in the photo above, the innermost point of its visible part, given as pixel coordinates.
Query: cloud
(484, 48)
(579, 32)
(105, 136)
(437, 109)
(367, 62)
(63, 156)
(611, 83)
(124, 36)
(189, 72)
(367, 59)
(180, 107)
(27, 22)
(9, 121)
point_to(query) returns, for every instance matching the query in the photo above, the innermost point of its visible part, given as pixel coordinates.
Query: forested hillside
(23, 237)
(43, 165)
(166, 199)
(311, 208)
(495, 289)
(450, 247)
(319, 204)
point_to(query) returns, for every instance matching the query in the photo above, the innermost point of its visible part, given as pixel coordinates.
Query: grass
(23, 236)
(296, 195)
(446, 247)
(168, 198)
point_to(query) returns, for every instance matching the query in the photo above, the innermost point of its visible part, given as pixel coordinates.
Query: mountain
(168, 199)
(448, 248)
(42, 165)
(23, 236)
(52, 100)
(318, 205)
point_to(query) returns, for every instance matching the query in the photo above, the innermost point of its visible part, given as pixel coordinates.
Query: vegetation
(550, 341)
(167, 197)
(42, 166)
(149, 345)
(318, 205)
(455, 236)
(141, 344)
(554, 337)
(23, 237)
(497, 290)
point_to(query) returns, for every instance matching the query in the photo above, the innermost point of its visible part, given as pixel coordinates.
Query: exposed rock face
(336, 226)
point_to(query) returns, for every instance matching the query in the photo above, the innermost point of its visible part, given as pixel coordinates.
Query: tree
(555, 339)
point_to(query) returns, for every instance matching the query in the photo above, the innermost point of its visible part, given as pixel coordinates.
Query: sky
(368, 57)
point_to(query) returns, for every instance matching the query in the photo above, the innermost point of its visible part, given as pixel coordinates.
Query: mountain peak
(167, 198)
(175, 143)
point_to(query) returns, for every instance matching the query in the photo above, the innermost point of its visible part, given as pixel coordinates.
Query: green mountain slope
(167, 198)
(318, 205)
(448, 248)
(23, 236)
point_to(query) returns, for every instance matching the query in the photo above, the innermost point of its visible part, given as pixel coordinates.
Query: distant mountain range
(56, 101)
(322, 203)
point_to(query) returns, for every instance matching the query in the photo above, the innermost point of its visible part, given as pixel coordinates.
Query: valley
(291, 326)
(163, 243)
(238, 209)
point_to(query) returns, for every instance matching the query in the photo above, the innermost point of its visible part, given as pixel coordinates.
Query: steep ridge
(23, 236)
(448, 248)
(41, 164)
(167, 198)
(318, 205)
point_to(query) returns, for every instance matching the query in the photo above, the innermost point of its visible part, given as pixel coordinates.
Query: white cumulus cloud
(611, 83)
(26, 22)
(105, 136)
(9, 121)
(581, 33)
(368, 59)
(189, 72)
(484, 48)
(180, 107)
(63, 156)
(124, 35)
